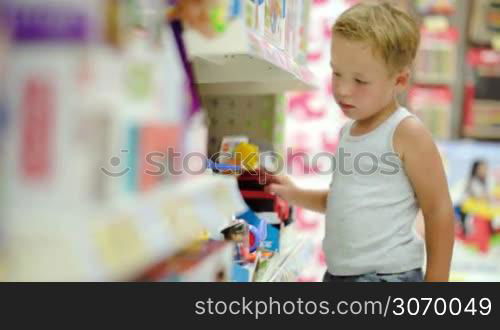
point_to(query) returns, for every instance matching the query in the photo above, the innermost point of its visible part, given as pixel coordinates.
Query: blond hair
(393, 34)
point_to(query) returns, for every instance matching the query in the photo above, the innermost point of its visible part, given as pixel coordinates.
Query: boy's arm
(425, 171)
(314, 200)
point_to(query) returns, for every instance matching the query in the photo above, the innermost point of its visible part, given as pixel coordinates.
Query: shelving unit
(440, 64)
(242, 75)
(482, 103)
(120, 243)
(115, 93)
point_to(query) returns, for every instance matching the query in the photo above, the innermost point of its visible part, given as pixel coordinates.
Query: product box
(49, 153)
(272, 241)
(194, 142)
(482, 23)
(176, 94)
(482, 104)
(158, 162)
(433, 107)
(227, 149)
(93, 152)
(436, 61)
(41, 92)
(443, 7)
(304, 32)
(243, 272)
(274, 23)
(153, 156)
(292, 27)
(254, 13)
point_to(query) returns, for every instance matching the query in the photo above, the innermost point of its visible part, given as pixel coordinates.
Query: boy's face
(362, 84)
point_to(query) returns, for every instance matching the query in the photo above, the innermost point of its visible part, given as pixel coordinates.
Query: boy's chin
(356, 115)
(351, 114)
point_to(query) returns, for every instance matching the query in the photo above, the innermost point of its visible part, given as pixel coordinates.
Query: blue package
(272, 241)
(235, 10)
(222, 167)
(240, 273)
(257, 226)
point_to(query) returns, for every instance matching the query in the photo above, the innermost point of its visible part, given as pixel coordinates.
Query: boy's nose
(342, 90)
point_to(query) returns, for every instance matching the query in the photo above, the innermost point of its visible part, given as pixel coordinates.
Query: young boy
(387, 163)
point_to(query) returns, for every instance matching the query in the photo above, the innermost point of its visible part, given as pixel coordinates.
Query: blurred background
(120, 121)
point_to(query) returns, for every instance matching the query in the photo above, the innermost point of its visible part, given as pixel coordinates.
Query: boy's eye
(361, 82)
(336, 74)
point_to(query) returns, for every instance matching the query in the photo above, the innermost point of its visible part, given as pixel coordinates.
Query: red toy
(252, 186)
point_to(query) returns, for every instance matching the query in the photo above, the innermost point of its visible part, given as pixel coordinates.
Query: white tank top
(371, 207)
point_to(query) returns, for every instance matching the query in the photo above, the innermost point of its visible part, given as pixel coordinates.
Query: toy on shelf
(245, 259)
(484, 26)
(482, 102)
(252, 188)
(482, 215)
(222, 14)
(437, 57)
(208, 17)
(275, 211)
(247, 156)
(493, 17)
(236, 155)
(239, 233)
(227, 149)
(433, 106)
(257, 228)
(255, 15)
(442, 7)
(274, 27)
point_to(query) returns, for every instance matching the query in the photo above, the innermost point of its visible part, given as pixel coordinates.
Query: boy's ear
(403, 79)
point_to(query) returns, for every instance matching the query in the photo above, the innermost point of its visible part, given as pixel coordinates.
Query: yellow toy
(247, 156)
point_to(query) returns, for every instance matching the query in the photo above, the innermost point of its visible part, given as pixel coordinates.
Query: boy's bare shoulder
(412, 136)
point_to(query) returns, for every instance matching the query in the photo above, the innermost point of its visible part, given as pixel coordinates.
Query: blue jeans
(415, 275)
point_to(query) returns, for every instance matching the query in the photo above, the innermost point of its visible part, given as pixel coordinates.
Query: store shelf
(241, 61)
(205, 261)
(436, 80)
(119, 243)
(483, 133)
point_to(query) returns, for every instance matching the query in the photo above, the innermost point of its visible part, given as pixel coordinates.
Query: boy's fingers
(277, 179)
(268, 189)
(275, 189)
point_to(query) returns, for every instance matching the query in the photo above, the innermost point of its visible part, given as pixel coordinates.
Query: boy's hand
(282, 186)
